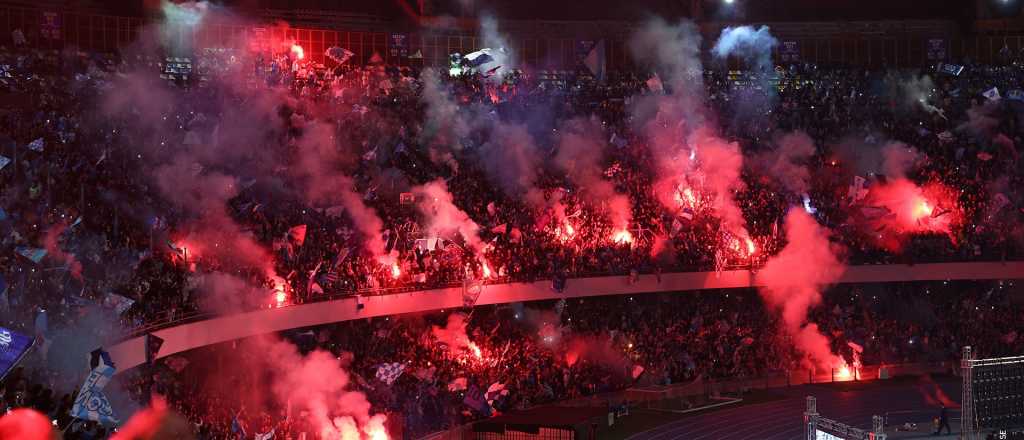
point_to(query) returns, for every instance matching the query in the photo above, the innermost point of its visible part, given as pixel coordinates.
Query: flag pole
(73, 421)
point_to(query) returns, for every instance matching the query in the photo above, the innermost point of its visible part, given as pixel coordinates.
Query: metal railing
(777, 379)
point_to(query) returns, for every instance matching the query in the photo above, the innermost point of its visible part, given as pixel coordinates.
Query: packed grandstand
(155, 185)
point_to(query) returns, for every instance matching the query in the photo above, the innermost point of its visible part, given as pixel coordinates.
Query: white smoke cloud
(753, 45)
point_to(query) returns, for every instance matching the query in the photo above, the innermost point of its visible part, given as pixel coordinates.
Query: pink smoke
(721, 163)
(792, 281)
(595, 349)
(511, 158)
(363, 217)
(906, 208)
(443, 217)
(933, 395)
(155, 422)
(454, 334)
(788, 162)
(27, 424)
(50, 243)
(214, 234)
(898, 158)
(320, 384)
(580, 152)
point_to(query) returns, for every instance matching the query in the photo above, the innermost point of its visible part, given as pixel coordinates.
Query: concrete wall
(130, 353)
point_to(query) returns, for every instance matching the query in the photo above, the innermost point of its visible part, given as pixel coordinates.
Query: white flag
(992, 94)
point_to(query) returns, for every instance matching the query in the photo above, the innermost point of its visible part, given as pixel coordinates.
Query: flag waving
(91, 403)
(389, 373)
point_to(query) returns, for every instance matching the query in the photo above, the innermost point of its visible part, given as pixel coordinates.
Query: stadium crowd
(86, 222)
(548, 352)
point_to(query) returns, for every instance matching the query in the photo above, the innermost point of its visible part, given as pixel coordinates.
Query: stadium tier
(506, 220)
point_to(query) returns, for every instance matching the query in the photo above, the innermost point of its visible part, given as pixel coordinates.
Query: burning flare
(280, 290)
(396, 272)
(622, 237)
(476, 350)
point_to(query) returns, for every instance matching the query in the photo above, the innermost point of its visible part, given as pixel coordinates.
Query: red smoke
(214, 234)
(454, 334)
(792, 282)
(596, 349)
(318, 164)
(156, 422)
(443, 217)
(721, 162)
(902, 207)
(579, 154)
(788, 162)
(318, 383)
(50, 242)
(933, 394)
(25, 424)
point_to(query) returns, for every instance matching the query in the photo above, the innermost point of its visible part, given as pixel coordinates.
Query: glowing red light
(622, 237)
(923, 209)
(396, 271)
(844, 372)
(298, 51)
(476, 350)
(378, 434)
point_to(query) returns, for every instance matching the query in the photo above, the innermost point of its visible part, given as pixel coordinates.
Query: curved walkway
(130, 353)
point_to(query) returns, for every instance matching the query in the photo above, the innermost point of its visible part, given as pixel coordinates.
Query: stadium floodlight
(729, 2)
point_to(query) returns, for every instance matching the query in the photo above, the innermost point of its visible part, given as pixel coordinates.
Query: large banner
(13, 347)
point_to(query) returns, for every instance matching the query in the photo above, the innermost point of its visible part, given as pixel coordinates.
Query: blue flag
(237, 428)
(100, 357)
(34, 254)
(951, 69)
(91, 403)
(475, 400)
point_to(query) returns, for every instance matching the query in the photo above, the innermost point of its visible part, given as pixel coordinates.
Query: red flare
(622, 237)
(396, 271)
(476, 350)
